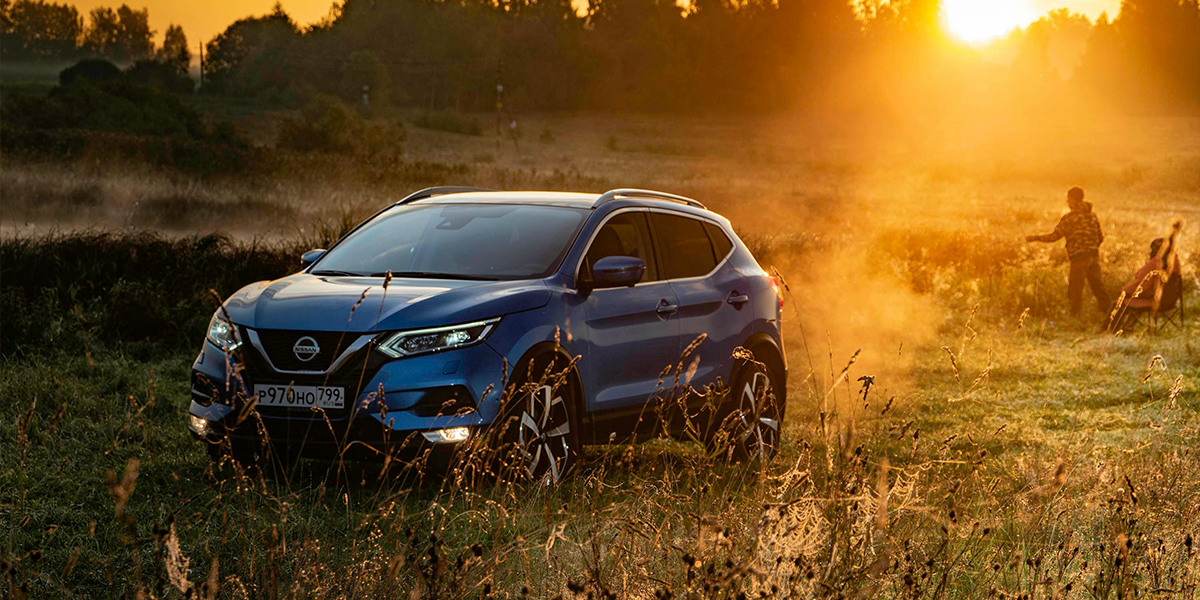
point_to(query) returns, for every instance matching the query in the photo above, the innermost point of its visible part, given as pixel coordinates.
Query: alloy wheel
(543, 435)
(758, 420)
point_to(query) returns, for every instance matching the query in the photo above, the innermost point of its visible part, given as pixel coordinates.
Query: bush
(327, 125)
(105, 290)
(116, 105)
(89, 71)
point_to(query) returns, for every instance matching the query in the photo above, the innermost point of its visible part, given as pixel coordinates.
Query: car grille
(279, 346)
(354, 374)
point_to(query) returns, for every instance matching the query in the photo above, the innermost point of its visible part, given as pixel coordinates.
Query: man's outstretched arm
(1053, 236)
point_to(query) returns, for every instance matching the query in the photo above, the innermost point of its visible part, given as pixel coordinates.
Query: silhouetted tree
(35, 29)
(174, 51)
(122, 35)
(254, 55)
(1053, 45)
(868, 55)
(1147, 58)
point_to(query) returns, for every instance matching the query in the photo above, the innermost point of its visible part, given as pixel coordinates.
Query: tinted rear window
(686, 250)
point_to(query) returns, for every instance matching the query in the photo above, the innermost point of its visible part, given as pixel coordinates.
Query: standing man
(1082, 230)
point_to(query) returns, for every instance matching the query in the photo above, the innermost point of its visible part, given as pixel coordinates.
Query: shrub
(327, 125)
(104, 290)
(89, 71)
(116, 105)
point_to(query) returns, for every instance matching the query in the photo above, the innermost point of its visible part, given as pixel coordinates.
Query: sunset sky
(970, 19)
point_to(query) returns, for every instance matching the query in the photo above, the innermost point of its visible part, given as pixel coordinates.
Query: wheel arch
(552, 348)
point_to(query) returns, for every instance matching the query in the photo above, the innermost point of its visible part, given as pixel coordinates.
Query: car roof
(578, 200)
(565, 199)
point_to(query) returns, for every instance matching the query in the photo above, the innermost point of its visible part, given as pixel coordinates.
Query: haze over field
(954, 429)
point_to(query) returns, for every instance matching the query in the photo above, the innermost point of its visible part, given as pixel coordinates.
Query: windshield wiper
(335, 273)
(435, 275)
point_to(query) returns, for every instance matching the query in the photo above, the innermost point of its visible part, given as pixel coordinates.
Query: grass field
(1003, 450)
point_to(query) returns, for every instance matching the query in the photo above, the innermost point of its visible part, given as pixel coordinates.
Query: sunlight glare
(976, 21)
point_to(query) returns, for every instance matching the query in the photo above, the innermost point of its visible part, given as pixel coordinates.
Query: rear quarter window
(722, 245)
(686, 249)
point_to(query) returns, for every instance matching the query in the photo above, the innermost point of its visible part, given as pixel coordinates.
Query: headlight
(222, 333)
(419, 341)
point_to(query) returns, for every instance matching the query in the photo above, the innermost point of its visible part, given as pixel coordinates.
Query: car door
(633, 332)
(713, 301)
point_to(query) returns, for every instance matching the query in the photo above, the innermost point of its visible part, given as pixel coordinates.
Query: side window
(720, 240)
(626, 234)
(686, 251)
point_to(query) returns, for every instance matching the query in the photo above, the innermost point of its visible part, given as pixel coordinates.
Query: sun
(977, 21)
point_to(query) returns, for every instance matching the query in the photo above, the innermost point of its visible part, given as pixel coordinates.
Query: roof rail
(636, 193)
(438, 191)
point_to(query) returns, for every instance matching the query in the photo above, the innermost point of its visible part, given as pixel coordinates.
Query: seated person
(1139, 293)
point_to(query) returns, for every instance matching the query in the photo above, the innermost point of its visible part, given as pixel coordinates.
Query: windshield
(459, 241)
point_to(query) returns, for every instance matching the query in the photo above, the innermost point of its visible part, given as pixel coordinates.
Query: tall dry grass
(951, 432)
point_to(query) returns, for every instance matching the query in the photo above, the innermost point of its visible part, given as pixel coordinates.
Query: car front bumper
(407, 403)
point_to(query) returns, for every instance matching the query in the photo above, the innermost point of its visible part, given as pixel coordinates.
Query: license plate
(301, 396)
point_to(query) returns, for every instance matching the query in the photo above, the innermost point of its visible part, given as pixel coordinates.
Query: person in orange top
(1082, 230)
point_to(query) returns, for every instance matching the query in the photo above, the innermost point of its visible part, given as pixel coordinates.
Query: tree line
(40, 30)
(737, 55)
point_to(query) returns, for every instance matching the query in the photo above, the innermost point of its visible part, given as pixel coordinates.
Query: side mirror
(618, 271)
(311, 257)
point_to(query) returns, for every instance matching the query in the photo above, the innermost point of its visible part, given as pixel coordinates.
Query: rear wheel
(752, 419)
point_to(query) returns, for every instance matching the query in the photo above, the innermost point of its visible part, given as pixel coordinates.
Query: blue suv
(548, 320)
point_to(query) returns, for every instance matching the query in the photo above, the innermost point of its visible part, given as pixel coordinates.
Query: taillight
(775, 285)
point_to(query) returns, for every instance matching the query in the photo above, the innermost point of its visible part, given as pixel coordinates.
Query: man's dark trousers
(1085, 267)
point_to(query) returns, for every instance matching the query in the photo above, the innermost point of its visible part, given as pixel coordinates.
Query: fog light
(199, 425)
(443, 436)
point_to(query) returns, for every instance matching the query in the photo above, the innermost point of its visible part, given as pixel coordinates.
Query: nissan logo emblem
(306, 348)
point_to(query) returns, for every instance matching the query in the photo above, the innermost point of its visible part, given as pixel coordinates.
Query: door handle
(666, 308)
(737, 299)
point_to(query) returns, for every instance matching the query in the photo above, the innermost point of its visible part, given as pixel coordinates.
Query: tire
(542, 422)
(751, 419)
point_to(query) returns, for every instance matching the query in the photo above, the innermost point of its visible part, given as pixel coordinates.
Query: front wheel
(542, 426)
(752, 416)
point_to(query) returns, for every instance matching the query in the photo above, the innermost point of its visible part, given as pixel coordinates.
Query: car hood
(318, 303)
